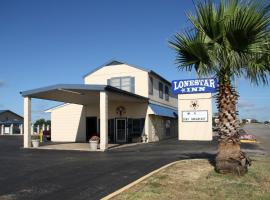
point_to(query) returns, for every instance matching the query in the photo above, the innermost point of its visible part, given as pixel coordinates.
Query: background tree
(42, 121)
(227, 40)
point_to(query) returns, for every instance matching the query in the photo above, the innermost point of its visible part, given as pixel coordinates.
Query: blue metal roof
(2, 111)
(163, 111)
(118, 62)
(9, 122)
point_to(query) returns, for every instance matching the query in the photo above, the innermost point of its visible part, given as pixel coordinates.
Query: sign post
(195, 108)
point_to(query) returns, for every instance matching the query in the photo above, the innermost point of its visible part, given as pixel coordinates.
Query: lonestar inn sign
(190, 86)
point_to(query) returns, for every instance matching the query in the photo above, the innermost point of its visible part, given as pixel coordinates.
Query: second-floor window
(151, 85)
(124, 83)
(160, 88)
(167, 93)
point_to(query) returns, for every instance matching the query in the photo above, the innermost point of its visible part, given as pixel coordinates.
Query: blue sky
(48, 42)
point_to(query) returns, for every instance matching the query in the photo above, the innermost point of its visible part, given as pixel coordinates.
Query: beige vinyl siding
(68, 123)
(122, 70)
(132, 110)
(155, 98)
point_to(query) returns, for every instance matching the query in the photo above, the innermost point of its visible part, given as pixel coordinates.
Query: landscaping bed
(196, 179)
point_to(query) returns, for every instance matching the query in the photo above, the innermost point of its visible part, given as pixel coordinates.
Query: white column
(38, 129)
(2, 129)
(27, 122)
(43, 127)
(21, 129)
(48, 127)
(103, 109)
(147, 128)
(11, 129)
(32, 129)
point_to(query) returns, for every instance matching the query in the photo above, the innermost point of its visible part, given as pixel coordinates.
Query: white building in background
(118, 102)
(10, 123)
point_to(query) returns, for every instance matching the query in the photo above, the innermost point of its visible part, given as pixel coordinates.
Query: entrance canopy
(81, 93)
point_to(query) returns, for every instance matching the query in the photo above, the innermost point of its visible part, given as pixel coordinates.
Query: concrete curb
(141, 179)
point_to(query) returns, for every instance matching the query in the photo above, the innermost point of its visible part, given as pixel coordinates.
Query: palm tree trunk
(230, 158)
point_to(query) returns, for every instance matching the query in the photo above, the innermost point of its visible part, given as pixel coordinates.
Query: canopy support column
(27, 122)
(103, 107)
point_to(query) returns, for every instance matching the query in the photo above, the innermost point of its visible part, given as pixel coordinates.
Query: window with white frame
(126, 83)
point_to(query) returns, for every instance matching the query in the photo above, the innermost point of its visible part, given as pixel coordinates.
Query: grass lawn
(196, 179)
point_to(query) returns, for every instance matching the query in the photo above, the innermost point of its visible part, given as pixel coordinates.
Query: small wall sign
(195, 116)
(191, 86)
(120, 110)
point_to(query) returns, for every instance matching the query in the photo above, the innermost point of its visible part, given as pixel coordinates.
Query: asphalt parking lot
(52, 174)
(262, 133)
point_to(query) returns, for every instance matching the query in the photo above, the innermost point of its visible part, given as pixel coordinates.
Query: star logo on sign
(194, 104)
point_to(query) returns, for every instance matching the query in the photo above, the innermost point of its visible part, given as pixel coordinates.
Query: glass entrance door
(121, 128)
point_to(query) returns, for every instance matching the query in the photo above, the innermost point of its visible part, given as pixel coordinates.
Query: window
(166, 93)
(115, 82)
(111, 130)
(160, 87)
(123, 83)
(137, 127)
(126, 84)
(151, 85)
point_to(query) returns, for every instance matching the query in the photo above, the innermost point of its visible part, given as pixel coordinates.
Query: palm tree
(227, 40)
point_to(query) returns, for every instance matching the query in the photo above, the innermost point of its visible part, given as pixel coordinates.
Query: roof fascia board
(79, 87)
(56, 107)
(160, 77)
(114, 89)
(63, 86)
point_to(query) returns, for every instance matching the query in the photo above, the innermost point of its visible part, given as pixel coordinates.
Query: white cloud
(245, 104)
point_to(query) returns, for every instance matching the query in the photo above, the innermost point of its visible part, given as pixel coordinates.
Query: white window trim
(160, 90)
(131, 86)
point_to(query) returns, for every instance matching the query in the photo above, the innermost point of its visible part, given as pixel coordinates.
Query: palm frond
(229, 40)
(209, 20)
(247, 27)
(192, 51)
(257, 68)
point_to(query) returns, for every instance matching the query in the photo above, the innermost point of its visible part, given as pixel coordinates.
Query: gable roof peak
(114, 62)
(118, 62)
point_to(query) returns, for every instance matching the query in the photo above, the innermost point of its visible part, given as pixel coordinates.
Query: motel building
(118, 102)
